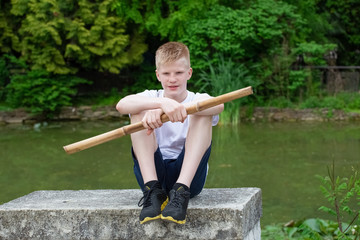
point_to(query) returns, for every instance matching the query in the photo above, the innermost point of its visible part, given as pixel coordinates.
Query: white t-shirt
(171, 136)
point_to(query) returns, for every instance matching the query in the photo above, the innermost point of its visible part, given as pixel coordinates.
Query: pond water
(282, 159)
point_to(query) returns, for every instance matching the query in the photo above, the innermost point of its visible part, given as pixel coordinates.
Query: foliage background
(260, 41)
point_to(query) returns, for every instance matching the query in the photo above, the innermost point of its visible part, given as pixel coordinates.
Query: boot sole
(171, 219)
(148, 219)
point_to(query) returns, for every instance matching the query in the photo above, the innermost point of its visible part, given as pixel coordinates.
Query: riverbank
(87, 113)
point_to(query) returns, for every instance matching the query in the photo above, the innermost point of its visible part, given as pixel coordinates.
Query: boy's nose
(172, 78)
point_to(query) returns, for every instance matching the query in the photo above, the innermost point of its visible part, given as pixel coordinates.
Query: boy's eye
(179, 73)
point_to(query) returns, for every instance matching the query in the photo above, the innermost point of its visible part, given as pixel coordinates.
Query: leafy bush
(312, 228)
(42, 92)
(311, 102)
(9, 64)
(332, 103)
(344, 100)
(351, 100)
(340, 193)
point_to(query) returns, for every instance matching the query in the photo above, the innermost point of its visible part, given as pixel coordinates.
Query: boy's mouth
(172, 87)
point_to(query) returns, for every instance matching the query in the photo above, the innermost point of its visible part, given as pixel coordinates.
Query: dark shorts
(168, 171)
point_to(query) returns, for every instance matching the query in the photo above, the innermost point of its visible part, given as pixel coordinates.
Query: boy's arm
(134, 104)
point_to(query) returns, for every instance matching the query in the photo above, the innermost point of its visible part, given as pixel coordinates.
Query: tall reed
(225, 76)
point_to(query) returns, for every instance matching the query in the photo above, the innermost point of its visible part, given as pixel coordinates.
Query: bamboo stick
(129, 129)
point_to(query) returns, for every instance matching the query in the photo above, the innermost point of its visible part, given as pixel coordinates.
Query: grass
(349, 102)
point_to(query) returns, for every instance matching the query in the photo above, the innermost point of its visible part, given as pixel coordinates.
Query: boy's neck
(179, 98)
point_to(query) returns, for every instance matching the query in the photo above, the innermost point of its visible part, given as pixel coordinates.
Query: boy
(170, 158)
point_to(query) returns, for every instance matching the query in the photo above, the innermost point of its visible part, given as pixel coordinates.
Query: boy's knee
(201, 119)
(137, 117)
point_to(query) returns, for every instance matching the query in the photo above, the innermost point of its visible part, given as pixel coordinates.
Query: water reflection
(280, 158)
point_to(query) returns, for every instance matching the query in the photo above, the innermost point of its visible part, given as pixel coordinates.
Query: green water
(280, 158)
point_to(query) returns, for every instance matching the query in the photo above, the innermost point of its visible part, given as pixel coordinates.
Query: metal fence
(339, 78)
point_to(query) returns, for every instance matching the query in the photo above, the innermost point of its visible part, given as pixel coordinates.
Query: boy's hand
(152, 120)
(174, 110)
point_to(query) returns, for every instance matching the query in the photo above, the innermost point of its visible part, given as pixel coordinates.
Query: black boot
(153, 202)
(175, 210)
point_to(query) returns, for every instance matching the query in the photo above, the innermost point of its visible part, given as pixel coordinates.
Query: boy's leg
(197, 143)
(154, 198)
(159, 165)
(144, 147)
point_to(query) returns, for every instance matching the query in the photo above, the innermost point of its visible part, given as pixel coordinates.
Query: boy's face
(173, 77)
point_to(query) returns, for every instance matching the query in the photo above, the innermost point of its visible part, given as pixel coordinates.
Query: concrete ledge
(113, 214)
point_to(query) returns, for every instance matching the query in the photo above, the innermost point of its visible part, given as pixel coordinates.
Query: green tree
(344, 17)
(245, 34)
(167, 19)
(8, 39)
(63, 36)
(267, 37)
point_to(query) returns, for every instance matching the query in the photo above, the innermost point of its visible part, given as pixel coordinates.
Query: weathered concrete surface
(113, 214)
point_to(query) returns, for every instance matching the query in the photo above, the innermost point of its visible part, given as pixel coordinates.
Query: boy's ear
(190, 73)
(157, 75)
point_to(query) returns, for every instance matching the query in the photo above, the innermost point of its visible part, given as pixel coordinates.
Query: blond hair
(171, 52)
